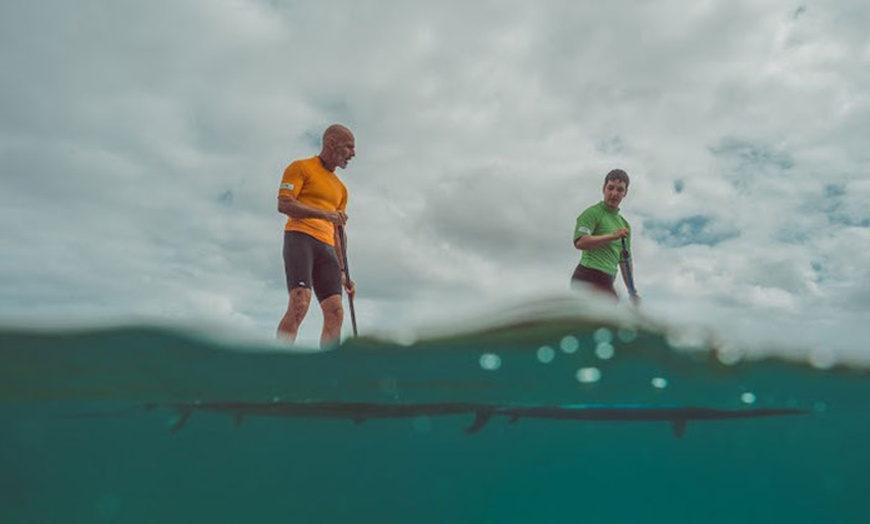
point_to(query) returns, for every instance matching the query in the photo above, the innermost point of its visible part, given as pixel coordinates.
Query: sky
(142, 144)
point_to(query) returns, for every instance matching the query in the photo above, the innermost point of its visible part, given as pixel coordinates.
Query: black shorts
(309, 263)
(599, 279)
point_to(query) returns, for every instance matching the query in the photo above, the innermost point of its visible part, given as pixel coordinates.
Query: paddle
(626, 268)
(343, 240)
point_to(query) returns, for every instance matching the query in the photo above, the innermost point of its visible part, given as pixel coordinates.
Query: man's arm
(592, 241)
(296, 209)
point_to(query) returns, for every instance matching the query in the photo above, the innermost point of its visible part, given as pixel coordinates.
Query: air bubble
(546, 354)
(604, 351)
(659, 383)
(570, 344)
(602, 335)
(588, 375)
(729, 355)
(823, 358)
(747, 398)
(405, 338)
(490, 361)
(626, 334)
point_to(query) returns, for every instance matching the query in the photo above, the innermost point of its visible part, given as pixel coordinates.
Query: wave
(541, 349)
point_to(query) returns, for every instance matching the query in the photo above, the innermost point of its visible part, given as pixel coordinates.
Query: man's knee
(300, 294)
(332, 309)
(300, 299)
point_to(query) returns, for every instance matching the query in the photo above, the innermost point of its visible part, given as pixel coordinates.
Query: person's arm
(592, 241)
(296, 209)
(293, 182)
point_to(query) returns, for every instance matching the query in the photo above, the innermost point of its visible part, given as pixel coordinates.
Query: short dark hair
(617, 174)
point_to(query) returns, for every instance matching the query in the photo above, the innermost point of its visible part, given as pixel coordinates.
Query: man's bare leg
(300, 298)
(333, 316)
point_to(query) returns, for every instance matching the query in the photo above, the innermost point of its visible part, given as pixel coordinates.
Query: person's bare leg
(333, 316)
(297, 307)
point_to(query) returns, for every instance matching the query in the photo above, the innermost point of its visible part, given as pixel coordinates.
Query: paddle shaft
(343, 240)
(629, 278)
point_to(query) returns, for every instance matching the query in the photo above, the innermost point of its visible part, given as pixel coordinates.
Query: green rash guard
(601, 219)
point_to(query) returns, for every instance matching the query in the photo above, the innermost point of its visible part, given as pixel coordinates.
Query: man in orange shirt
(314, 200)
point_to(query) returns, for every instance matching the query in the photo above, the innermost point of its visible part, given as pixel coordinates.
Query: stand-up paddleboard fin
(178, 425)
(679, 427)
(481, 418)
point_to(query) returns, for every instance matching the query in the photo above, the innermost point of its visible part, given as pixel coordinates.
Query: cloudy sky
(142, 144)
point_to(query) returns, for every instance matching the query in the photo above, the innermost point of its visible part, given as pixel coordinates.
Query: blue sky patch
(697, 229)
(752, 155)
(226, 198)
(313, 138)
(747, 162)
(833, 205)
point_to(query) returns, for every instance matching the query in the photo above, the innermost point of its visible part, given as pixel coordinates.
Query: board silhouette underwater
(358, 412)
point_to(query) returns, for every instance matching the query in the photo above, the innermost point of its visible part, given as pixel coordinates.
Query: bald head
(338, 147)
(336, 131)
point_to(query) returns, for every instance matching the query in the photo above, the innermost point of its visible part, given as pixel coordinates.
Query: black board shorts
(310, 263)
(600, 280)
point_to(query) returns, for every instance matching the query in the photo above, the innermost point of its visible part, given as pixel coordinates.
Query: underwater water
(557, 419)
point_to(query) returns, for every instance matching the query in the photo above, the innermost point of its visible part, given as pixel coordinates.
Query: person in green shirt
(604, 237)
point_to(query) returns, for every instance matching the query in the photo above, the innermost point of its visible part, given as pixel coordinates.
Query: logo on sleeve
(585, 230)
(287, 186)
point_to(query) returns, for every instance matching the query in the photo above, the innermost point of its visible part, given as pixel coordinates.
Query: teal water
(91, 433)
